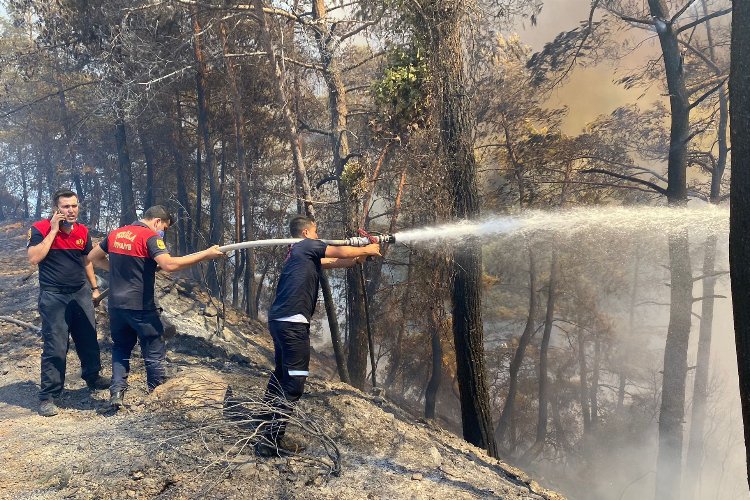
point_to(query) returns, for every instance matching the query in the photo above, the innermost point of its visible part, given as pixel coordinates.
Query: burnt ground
(175, 443)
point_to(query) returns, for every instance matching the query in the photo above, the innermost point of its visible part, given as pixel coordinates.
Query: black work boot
(47, 408)
(115, 400)
(98, 383)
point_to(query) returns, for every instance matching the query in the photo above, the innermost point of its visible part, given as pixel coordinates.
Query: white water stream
(574, 222)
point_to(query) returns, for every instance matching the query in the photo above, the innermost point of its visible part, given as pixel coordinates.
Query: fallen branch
(21, 323)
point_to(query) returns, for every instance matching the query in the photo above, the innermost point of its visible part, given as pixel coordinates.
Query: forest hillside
(174, 442)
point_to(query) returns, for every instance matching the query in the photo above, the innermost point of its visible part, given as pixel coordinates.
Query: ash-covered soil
(175, 442)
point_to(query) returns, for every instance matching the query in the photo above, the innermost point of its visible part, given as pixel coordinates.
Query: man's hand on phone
(57, 218)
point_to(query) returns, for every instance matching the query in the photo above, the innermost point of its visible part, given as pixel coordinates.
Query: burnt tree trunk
(457, 146)
(243, 195)
(149, 158)
(702, 364)
(435, 322)
(124, 168)
(583, 385)
(184, 221)
(394, 363)
(506, 415)
(544, 381)
(339, 141)
(672, 412)
(739, 221)
(214, 190)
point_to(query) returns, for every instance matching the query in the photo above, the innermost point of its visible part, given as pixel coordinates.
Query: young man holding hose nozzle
(135, 251)
(289, 324)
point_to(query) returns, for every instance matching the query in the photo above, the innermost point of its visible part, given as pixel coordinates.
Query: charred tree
(435, 322)
(243, 196)
(347, 182)
(214, 190)
(544, 381)
(125, 170)
(506, 415)
(703, 359)
(672, 412)
(739, 223)
(457, 145)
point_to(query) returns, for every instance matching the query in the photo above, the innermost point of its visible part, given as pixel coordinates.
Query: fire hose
(362, 240)
(355, 241)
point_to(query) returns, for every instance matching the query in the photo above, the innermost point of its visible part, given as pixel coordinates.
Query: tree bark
(339, 141)
(184, 221)
(669, 461)
(214, 190)
(394, 364)
(148, 157)
(739, 224)
(435, 323)
(243, 194)
(583, 386)
(127, 199)
(457, 146)
(506, 415)
(544, 382)
(703, 360)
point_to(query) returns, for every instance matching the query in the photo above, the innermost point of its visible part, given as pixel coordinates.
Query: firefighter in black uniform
(135, 251)
(67, 285)
(289, 324)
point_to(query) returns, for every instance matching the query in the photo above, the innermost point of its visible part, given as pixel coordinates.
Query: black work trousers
(291, 343)
(66, 313)
(131, 326)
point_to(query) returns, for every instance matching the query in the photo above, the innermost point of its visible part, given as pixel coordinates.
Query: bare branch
(363, 27)
(600, 184)
(702, 57)
(316, 67)
(364, 61)
(681, 11)
(151, 82)
(707, 94)
(45, 97)
(698, 299)
(709, 83)
(718, 13)
(628, 178)
(24, 324)
(712, 275)
(305, 127)
(325, 180)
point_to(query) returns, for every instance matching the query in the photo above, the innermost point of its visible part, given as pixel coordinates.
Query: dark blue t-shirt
(297, 291)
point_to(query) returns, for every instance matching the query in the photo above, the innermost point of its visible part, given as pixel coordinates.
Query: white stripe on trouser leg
(298, 373)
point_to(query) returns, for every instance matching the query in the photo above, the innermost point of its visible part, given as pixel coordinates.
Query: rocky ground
(175, 442)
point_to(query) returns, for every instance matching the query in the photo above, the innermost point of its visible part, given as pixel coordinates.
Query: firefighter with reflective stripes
(289, 325)
(132, 254)
(67, 285)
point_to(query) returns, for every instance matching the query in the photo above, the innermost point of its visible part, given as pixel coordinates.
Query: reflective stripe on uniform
(298, 373)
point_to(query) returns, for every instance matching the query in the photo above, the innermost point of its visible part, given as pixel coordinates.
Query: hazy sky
(589, 91)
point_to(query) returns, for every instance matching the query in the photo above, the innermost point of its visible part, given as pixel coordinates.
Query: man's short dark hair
(159, 212)
(299, 223)
(62, 193)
